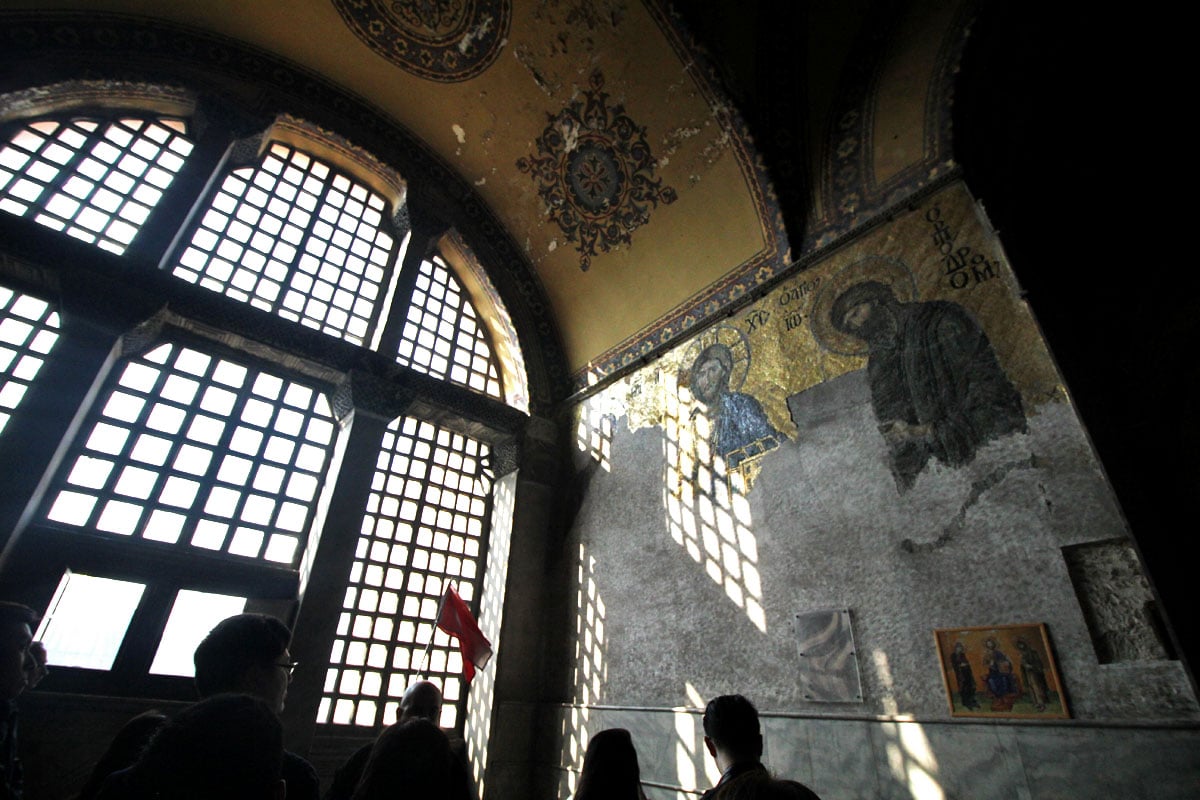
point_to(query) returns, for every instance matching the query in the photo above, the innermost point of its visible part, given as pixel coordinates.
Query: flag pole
(425, 659)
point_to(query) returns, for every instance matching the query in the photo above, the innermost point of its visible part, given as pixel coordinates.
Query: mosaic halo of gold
(729, 336)
(886, 270)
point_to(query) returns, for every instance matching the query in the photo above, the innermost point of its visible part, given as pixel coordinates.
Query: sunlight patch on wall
(707, 511)
(481, 694)
(694, 768)
(594, 434)
(883, 670)
(910, 758)
(590, 670)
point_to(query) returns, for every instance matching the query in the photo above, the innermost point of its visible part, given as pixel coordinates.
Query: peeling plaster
(571, 26)
(459, 133)
(978, 488)
(674, 139)
(570, 134)
(525, 59)
(478, 32)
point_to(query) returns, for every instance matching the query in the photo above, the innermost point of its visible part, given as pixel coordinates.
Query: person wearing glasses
(248, 654)
(245, 654)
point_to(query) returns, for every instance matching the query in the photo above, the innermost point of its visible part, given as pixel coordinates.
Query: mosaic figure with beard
(936, 386)
(741, 429)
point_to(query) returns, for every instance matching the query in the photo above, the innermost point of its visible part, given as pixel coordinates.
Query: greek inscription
(963, 266)
(794, 294)
(985, 272)
(757, 319)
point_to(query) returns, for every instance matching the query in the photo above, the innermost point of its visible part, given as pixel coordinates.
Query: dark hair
(731, 721)
(859, 293)
(610, 768)
(412, 760)
(717, 352)
(235, 645)
(15, 613)
(228, 746)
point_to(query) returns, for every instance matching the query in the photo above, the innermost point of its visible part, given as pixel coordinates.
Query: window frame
(46, 264)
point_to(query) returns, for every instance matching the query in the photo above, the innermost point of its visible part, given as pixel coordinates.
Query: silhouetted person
(228, 747)
(610, 768)
(124, 750)
(247, 654)
(412, 761)
(761, 786)
(733, 738)
(422, 700)
(22, 665)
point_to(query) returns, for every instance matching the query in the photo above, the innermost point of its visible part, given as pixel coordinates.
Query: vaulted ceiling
(604, 139)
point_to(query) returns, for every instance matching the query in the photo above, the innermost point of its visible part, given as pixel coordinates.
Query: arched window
(297, 238)
(443, 336)
(28, 331)
(205, 404)
(424, 528)
(94, 178)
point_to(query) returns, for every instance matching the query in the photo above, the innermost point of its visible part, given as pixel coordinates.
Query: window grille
(296, 238)
(442, 335)
(28, 331)
(188, 448)
(94, 179)
(423, 528)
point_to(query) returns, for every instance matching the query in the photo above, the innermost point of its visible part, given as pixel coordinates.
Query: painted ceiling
(596, 133)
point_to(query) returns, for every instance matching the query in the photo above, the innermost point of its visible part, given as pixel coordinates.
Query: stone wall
(923, 471)
(897, 760)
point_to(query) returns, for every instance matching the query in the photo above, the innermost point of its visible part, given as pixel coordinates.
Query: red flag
(454, 617)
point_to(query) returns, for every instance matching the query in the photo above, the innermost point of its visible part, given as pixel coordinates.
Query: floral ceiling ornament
(440, 40)
(595, 172)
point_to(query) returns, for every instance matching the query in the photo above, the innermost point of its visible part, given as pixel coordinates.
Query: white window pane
(88, 211)
(192, 617)
(87, 620)
(444, 331)
(289, 241)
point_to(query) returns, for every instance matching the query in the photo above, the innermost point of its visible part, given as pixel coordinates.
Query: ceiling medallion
(595, 172)
(441, 40)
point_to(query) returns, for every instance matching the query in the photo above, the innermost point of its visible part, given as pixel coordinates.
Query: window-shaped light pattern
(424, 527)
(28, 329)
(294, 237)
(193, 615)
(87, 620)
(192, 449)
(94, 179)
(443, 336)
